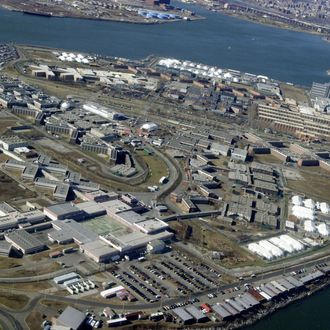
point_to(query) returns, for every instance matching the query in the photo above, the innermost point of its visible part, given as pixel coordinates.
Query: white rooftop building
(309, 226)
(297, 200)
(302, 212)
(324, 208)
(309, 203)
(149, 127)
(323, 229)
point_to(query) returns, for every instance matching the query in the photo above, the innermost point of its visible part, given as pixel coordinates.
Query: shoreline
(253, 317)
(52, 15)
(258, 20)
(282, 305)
(273, 23)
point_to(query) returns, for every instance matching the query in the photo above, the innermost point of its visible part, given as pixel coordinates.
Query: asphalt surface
(9, 321)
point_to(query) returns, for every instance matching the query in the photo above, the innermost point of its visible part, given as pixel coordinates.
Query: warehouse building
(221, 312)
(24, 242)
(197, 314)
(71, 319)
(183, 315)
(111, 292)
(66, 277)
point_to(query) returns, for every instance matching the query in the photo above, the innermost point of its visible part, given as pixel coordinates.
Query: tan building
(315, 125)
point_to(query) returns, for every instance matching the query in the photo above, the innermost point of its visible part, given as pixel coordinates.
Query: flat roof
(70, 229)
(116, 206)
(134, 239)
(151, 225)
(62, 209)
(91, 207)
(71, 318)
(313, 276)
(98, 249)
(65, 277)
(131, 217)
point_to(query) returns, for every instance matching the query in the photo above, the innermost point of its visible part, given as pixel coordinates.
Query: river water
(219, 40)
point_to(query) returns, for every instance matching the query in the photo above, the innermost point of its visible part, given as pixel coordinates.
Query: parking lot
(170, 275)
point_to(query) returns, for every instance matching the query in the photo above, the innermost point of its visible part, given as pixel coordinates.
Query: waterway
(311, 313)
(219, 40)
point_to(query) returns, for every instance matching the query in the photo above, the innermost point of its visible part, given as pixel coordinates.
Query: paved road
(170, 301)
(9, 321)
(15, 320)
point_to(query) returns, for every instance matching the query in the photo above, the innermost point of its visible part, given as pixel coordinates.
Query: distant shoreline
(268, 21)
(47, 14)
(271, 23)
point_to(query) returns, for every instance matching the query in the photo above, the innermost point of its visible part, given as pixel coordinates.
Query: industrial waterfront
(219, 40)
(310, 313)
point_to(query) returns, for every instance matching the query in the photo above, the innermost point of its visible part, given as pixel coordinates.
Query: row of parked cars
(181, 304)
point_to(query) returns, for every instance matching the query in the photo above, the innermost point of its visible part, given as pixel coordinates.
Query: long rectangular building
(296, 122)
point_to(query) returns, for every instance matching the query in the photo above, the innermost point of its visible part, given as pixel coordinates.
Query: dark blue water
(312, 313)
(219, 40)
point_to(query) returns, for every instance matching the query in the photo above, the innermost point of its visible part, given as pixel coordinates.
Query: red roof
(206, 307)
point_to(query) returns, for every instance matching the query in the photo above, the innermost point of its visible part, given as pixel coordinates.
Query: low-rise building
(24, 242)
(11, 142)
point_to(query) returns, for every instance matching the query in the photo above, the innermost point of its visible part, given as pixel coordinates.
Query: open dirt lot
(12, 300)
(13, 190)
(314, 184)
(209, 239)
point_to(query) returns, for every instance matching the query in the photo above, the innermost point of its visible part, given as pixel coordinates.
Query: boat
(37, 13)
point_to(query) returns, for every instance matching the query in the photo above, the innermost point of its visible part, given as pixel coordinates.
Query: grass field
(209, 239)
(5, 123)
(267, 159)
(32, 272)
(296, 93)
(34, 320)
(315, 184)
(7, 263)
(56, 305)
(12, 189)
(12, 300)
(157, 168)
(28, 287)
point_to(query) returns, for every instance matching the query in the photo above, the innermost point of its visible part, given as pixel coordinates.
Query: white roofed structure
(149, 127)
(297, 200)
